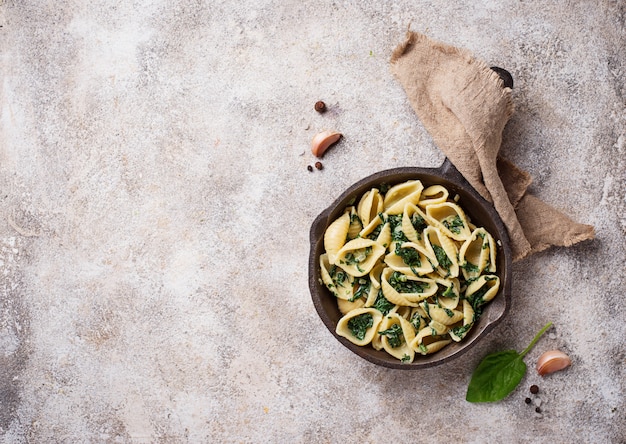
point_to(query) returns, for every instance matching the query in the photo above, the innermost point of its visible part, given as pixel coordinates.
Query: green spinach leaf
(442, 257)
(453, 224)
(499, 373)
(402, 284)
(419, 224)
(363, 289)
(382, 304)
(358, 325)
(394, 335)
(410, 256)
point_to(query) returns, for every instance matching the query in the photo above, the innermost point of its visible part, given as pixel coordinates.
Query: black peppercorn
(538, 410)
(528, 400)
(319, 165)
(534, 389)
(320, 107)
(309, 167)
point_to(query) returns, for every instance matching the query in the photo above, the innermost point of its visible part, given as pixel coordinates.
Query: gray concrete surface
(155, 207)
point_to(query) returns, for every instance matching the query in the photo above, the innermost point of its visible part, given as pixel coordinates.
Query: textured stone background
(155, 208)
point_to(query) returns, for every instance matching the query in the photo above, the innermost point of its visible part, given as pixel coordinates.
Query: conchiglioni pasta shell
(476, 251)
(377, 343)
(397, 263)
(424, 343)
(346, 306)
(407, 226)
(490, 280)
(407, 331)
(438, 327)
(358, 246)
(450, 302)
(492, 254)
(355, 224)
(342, 328)
(433, 329)
(402, 310)
(324, 273)
(371, 226)
(455, 337)
(375, 274)
(442, 315)
(370, 205)
(400, 195)
(437, 345)
(384, 237)
(410, 299)
(468, 313)
(419, 313)
(441, 212)
(434, 236)
(468, 320)
(372, 295)
(343, 290)
(393, 296)
(335, 236)
(430, 290)
(433, 195)
(424, 332)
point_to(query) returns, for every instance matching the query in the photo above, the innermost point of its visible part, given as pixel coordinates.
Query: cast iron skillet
(480, 212)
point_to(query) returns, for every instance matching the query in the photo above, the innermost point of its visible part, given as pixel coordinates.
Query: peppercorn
(538, 410)
(309, 167)
(528, 400)
(319, 165)
(534, 389)
(320, 106)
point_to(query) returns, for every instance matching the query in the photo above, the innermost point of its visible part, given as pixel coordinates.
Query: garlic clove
(322, 141)
(552, 361)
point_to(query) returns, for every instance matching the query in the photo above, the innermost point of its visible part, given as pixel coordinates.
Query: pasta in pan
(411, 273)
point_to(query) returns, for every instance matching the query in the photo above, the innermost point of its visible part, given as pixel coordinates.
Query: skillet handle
(449, 171)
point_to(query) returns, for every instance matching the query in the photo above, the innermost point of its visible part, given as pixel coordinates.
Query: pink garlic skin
(552, 361)
(322, 141)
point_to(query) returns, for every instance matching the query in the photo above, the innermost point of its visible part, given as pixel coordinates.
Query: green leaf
(498, 374)
(394, 335)
(454, 224)
(358, 325)
(442, 257)
(382, 304)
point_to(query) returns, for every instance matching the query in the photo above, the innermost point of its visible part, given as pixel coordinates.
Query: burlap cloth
(464, 106)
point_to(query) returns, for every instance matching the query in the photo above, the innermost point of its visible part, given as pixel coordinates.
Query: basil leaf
(496, 376)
